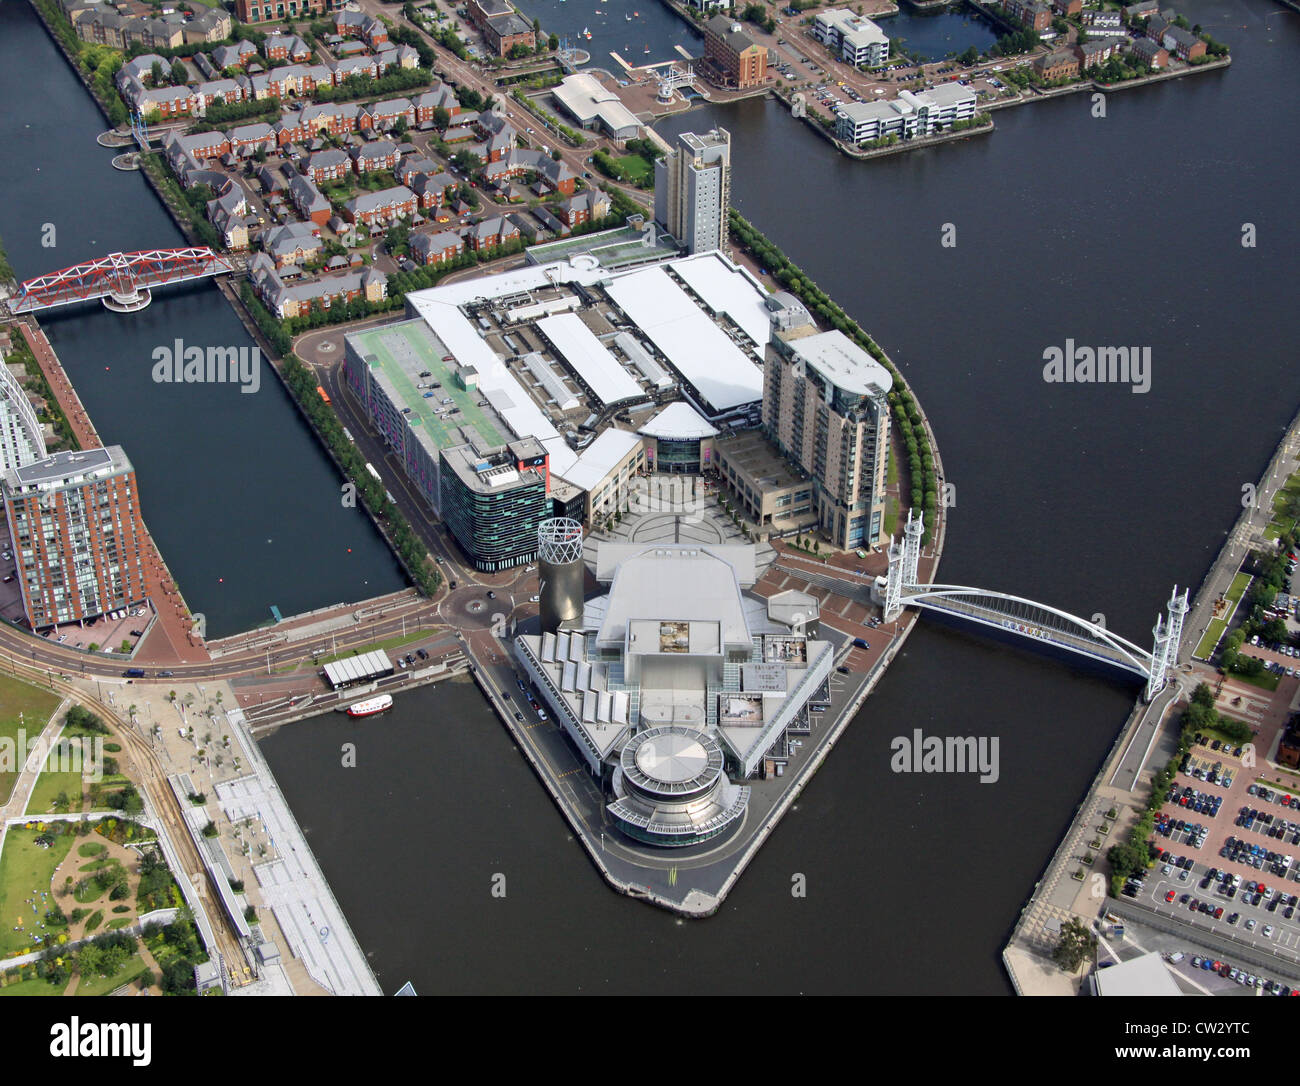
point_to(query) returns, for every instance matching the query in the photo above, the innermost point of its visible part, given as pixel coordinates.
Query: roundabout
(468, 609)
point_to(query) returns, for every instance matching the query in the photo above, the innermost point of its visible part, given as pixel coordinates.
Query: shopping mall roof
(678, 422)
(600, 458)
(730, 290)
(721, 373)
(599, 370)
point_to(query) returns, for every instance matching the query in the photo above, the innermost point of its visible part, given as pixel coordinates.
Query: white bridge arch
(1030, 619)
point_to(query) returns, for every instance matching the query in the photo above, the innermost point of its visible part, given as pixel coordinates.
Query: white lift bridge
(1027, 618)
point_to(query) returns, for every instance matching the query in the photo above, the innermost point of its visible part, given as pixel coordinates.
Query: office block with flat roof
(494, 499)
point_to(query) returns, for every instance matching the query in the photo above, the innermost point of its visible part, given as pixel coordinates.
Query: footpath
(1123, 782)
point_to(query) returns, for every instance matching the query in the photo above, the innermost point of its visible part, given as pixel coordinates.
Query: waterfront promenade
(1144, 745)
(171, 640)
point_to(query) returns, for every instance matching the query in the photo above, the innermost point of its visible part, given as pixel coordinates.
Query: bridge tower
(892, 604)
(139, 130)
(912, 532)
(1168, 636)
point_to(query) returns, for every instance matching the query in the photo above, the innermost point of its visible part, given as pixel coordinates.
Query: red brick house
(436, 248)
(381, 155)
(381, 208)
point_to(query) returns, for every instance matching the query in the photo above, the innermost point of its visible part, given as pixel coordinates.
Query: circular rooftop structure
(670, 788)
(559, 541)
(671, 764)
(672, 758)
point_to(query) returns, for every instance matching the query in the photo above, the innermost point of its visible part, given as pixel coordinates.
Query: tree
(179, 74)
(156, 74)
(441, 118)
(553, 42)
(1275, 630)
(1125, 858)
(397, 238)
(1075, 946)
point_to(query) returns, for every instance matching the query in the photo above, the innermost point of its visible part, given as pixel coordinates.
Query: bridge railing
(1072, 642)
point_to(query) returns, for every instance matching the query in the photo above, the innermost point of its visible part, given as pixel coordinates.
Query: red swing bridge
(123, 280)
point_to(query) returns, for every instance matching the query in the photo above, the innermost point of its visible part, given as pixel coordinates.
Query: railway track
(151, 779)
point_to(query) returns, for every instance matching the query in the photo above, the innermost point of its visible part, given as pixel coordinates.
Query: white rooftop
(730, 290)
(587, 99)
(675, 583)
(842, 362)
(599, 370)
(1144, 976)
(596, 461)
(680, 421)
(698, 349)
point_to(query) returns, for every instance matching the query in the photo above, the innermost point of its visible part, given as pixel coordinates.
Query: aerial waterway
(1118, 230)
(241, 499)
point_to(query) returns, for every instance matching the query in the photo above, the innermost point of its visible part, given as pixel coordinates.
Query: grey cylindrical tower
(559, 571)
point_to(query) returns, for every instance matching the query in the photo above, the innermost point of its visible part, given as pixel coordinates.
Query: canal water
(1117, 230)
(235, 488)
(938, 34)
(640, 31)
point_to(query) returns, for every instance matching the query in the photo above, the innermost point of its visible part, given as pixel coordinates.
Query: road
(468, 74)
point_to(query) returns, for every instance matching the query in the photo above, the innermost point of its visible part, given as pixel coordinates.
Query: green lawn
(1211, 639)
(634, 169)
(26, 871)
(33, 986)
(1267, 681)
(21, 706)
(50, 783)
(95, 986)
(1216, 629)
(891, 516)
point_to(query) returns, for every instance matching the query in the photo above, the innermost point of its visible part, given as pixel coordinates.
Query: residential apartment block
(693, 190)
(825, 407)
(79, 540)
(21, 439)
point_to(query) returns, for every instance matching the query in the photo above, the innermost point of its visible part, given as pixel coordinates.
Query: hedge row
(302, 383)
(923, 491)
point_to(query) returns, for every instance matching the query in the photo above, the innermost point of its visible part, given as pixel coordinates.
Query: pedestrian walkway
(293, 885)
(171, 640)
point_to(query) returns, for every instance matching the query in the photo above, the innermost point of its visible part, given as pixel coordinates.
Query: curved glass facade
(680, 457)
